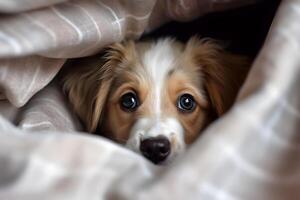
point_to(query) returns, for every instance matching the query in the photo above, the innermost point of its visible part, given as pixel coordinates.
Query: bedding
(253, 152)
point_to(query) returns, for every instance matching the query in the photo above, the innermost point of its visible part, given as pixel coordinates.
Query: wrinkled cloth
(252, 152)
(41, 39)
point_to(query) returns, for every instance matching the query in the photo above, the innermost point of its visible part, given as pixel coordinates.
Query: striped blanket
(253, 152)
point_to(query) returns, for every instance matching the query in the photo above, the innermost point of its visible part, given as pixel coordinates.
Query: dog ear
(87, 82)
(223, 73)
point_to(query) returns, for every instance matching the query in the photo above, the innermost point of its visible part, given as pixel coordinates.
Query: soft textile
(253, 152)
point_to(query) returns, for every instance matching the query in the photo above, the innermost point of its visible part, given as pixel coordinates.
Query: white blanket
(253, 152)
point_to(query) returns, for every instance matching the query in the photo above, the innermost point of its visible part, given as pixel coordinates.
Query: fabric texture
(253, 152)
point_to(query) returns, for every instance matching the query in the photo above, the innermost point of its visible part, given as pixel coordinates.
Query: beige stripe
(43, 26)
(114, 15)
(28, 90)
(78, 31)
(37, 124)
(16, 46)
(99, 34)
(255, 171)
(138, 17)
(53, 107)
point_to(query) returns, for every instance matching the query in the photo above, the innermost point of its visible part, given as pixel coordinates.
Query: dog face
(154, 97)
(157, 102)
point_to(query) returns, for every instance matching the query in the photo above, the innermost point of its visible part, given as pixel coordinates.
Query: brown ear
(87, 82)
(223, 72)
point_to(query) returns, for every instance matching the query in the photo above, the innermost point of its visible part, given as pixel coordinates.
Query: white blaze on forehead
(159, 60)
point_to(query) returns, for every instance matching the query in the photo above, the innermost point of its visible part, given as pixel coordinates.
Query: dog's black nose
(156, 149)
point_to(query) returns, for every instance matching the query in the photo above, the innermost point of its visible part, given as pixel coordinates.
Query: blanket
(252, 152)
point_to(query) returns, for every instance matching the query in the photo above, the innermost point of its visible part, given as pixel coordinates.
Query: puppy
(155, 97)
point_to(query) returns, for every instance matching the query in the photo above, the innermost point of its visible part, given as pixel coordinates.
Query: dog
(155, 97)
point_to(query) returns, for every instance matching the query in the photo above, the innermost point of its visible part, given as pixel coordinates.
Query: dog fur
(158, 72)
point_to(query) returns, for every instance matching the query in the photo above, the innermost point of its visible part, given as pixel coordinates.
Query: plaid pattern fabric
(43, 38)
(253, 152)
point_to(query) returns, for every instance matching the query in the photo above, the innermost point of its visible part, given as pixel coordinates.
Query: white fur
(159, 60)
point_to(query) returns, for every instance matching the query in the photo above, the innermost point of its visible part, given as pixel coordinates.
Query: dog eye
(186, 103)
(129, 102)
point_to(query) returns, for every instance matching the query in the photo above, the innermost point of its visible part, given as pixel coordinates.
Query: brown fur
(223, 72)
(89, 81)
(94, 86)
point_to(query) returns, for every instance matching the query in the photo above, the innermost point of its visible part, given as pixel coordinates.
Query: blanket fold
(253, 152)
